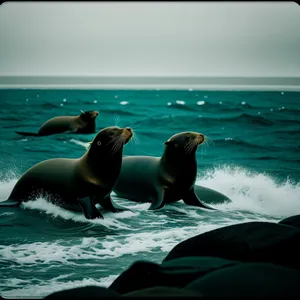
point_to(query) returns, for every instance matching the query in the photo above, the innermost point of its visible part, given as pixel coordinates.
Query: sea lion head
(111, 140)
(185, 142)
(88, 116)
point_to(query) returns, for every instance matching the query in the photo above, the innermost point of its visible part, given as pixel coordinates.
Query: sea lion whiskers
(113, 140)
(190, 146)
(209, 141)
(135, 140)
(193, 142)
(206, 143)
(117, 119)
(119, 142)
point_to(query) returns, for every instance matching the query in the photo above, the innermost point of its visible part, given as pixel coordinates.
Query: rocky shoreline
(256, 259)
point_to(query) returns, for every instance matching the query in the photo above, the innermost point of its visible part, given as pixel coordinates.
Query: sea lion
(84, 123)
(165, 179)
(77, 184)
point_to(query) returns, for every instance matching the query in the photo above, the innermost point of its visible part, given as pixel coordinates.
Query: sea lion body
(58, 177)
(146, 177)
(77, 184)
(84, 123)
(165, 179)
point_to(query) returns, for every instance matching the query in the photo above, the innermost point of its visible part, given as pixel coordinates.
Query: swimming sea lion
(84, 123)
(165, 179)
(77, 184)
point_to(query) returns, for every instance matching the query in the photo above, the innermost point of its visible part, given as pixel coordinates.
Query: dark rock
(291, 221)
(249, 279)
(138, 276)
(252, 242)
(164, 292)
(87, 292)
(174, 273)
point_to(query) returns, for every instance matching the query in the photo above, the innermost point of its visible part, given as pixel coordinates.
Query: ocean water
(254, 160)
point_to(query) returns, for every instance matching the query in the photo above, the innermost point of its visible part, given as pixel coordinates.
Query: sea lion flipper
(191, 199)
(158, 201)
(89, 209)
(109, 204)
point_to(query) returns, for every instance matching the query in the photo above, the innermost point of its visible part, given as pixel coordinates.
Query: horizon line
(150, 82)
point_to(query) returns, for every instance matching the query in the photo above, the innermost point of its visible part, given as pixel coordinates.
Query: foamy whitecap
(201, 102)
(254, 192)
(124, 102)
(180, 102)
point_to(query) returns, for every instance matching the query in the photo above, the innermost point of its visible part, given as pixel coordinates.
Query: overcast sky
(150, 38)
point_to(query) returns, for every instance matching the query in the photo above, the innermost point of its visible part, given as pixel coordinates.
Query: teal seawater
(254, 159)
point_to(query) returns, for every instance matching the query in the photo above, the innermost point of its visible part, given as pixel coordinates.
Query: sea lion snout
(95, 114)
(200, 138)
(127, 133)
(89, 115)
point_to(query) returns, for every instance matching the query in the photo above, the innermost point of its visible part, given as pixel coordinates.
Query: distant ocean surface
(254, 160)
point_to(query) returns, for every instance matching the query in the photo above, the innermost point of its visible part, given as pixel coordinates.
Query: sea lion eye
(99, 143)
(111, 133)
(176, 145)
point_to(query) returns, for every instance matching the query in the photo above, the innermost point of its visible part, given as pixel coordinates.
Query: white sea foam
(43, 288)
(110, 219)
(254, 192)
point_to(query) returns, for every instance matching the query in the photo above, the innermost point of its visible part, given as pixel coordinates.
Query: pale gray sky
(150, 38)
